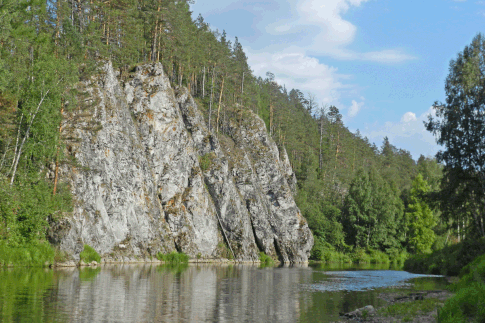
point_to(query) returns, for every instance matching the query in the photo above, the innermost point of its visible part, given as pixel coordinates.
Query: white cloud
(355, 108)
(408, 117)
(386, 56)
(409, 133)
(296, 70)
(319, 27)
(328, 16)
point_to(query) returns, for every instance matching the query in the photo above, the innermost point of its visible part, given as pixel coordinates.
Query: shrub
(378, 257)
(449, 261)
(205, 161)
(89, 255)
(466, 306)
(473, 272)
(332, 256)
(323, 251)
(468, 303)
(399, 258)
(173, 257)
(30, 255)
(359, 256)
(266, 261)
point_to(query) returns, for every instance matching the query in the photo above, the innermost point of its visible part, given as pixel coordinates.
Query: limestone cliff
(147, 176)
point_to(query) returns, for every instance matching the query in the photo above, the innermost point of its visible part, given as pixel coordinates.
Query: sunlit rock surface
(148, 176)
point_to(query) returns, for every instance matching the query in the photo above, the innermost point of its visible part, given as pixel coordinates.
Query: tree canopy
(460, 128)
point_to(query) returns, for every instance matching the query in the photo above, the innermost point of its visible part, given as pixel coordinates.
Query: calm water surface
(196, 293)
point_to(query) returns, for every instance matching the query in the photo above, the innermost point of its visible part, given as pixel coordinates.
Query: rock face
(148, 176)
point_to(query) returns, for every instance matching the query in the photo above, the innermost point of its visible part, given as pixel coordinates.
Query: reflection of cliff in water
(199, 293)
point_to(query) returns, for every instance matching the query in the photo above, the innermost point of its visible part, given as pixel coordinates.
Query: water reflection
(175, 294)
(187, 293)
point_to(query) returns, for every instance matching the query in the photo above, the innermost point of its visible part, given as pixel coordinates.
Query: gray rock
(147, 176)
(362, 312)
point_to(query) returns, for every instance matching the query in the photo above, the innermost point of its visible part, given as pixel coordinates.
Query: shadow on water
(194, 293)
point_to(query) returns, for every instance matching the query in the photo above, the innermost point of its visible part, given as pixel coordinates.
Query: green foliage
(325, 252)
(176, 268)
(398, 257)
(26, 207)
(378, 257)
(420, 218)
(205, 161)
(372, 212)
(89, 255)
(88, 274)
(467, 305)
(32, 284)
(448, 261)
(473, 272)
(173, 257)
(323, 219)
(410, 309)
(35, 81)
(459, 126)
(265, 260)
(29, 255)
(360, 256)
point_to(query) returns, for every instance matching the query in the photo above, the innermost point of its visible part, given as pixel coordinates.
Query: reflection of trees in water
(177, 294)
(24, 295)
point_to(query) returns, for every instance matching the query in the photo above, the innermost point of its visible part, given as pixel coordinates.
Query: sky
(382, 63)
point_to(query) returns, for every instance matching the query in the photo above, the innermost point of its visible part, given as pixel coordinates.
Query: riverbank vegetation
(265, 260)
(467, 305)
(364, 203)
(35, 254)
(89, 255)
(173, 257)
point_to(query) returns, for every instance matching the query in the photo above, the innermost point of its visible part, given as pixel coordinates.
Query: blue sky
(381, 62)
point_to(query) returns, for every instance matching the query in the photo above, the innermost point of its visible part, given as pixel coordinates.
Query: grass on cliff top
(29, 255)
(89, 255)
(173, 257)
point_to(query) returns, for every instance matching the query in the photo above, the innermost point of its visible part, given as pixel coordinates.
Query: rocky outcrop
(147, 176)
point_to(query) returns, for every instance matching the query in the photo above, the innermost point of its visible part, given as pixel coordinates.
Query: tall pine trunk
(219, 109)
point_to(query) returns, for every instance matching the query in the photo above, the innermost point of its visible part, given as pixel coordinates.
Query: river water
(196, 293)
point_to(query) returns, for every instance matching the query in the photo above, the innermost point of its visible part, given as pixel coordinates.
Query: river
(197, 293)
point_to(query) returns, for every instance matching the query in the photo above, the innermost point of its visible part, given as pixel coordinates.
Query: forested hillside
(356, 196)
